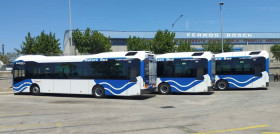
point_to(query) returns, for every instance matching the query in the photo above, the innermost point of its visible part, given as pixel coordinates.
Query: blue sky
(18, 17)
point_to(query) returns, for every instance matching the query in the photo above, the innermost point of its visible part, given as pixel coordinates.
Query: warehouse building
(243, 41)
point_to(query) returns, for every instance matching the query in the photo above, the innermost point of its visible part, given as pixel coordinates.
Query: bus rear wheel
(164, 88)
(35, 90)
(222, 85)
(98, 91)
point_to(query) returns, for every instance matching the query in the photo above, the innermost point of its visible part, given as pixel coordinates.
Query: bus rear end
(150, 73)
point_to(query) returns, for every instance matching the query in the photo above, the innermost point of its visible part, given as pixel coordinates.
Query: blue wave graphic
(182, 84)
(115, 87)
(22, 85)
(236, 81)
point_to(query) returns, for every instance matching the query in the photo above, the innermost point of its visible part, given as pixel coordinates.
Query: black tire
(35, 90)
(222, 85)
(164, 88)
(98, 91)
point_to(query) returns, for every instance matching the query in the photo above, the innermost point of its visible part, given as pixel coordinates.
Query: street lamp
(70, 23)
(221, 3)
(176, 21)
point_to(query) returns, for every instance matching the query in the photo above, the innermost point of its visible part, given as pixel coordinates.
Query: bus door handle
(258, 75)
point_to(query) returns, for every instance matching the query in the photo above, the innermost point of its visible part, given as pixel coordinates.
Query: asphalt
(242, 111)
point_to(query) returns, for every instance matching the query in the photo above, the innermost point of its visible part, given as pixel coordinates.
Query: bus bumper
(148, 91)
(267, 84)
(210, 88)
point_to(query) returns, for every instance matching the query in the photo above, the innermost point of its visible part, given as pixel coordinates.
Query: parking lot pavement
(250, 111)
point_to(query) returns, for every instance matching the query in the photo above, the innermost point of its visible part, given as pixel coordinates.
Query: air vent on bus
(255, 53)
(197, 54)
(130, 53)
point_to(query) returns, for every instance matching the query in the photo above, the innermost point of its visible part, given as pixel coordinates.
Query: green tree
(185, 46)
(4, 59)
(46, 44)
(137, 44)
(163, 42)
(275, 50)
(91, 42)
(216, 47)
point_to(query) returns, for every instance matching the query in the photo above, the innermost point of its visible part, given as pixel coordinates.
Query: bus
(104, 74)
(248, 69)
(184, 72)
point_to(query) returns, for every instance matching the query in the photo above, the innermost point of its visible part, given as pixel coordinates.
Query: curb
(3, 93)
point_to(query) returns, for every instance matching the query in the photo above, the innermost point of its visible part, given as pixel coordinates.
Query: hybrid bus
(184, 72)
(249, 69)
(109, 73)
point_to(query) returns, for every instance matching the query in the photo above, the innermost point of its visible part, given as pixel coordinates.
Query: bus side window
(258, 68)
(200, 71)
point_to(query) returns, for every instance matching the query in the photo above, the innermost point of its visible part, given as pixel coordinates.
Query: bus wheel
(98, 91)
(35, 90)
(164, 88)
(222, 85)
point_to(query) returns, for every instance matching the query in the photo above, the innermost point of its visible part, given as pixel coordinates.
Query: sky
(18, 17)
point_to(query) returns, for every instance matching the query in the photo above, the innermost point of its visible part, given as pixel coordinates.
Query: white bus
(100, 75)
(184, 72)
(247, 69)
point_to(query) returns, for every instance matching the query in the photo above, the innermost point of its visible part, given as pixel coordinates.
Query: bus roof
(80, 58)
(207, 55)
(261, 53)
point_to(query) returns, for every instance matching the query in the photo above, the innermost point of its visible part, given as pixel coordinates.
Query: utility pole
(221, 3)
(3, 49)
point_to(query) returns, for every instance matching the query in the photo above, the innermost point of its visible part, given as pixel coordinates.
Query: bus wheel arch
(222, 84)
(164, 88)
(35, 89)
(98, 91)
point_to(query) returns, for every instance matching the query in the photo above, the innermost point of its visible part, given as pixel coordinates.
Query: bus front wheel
(164, 88)
(222, 85)
(98, 91)
(35, 90)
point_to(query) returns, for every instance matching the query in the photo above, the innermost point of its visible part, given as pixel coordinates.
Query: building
(243, 41)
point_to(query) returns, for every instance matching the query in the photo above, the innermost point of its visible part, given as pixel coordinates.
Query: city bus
(248, 69)
(104, 74)
(184, 72)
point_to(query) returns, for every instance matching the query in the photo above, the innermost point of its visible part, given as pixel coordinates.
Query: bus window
(117, 69)
(19, 72)
(133, 69)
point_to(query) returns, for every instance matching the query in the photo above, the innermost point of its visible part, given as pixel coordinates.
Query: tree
(216, 47)
(163, 42)
(185, 46)
(4, 59)
(45, 44)
(275, 50)
(91, 42)
(137, 44)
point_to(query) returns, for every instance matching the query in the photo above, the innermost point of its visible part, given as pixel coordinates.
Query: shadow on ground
(140, 97)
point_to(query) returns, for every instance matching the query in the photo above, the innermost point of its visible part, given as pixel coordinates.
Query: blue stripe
(240, 78)
(181, 81)
(20, 86)
(115, 84)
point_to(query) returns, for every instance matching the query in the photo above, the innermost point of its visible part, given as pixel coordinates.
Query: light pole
(70, 23)
(175, 22)
(221, 3)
